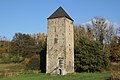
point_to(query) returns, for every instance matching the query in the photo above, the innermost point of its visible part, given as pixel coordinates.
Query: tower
(60, 43)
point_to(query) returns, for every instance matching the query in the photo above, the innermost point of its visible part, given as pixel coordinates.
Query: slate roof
(60, 12)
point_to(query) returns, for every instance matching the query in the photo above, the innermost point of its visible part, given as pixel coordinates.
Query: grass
(12, 67)
(16, 68)
(75, 76)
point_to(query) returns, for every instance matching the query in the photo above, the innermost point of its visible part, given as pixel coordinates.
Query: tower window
(70, 51)
(55, 29)
(69, 44)
(70, 64)
(55, 40)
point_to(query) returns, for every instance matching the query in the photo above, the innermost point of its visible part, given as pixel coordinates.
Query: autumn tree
(38, 61)
(4, 45)
(89, 32)
(22, 45)
(42, 44)
(115, 49)
(40, 41)
(4, 50)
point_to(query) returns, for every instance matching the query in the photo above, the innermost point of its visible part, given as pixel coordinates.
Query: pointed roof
(60, 12)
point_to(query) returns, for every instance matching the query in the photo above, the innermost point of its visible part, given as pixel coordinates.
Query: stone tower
(60, 43)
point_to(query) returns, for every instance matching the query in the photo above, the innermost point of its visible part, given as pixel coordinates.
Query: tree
(103, 30)
(89, 55)
(115, 49)
(4, 45)
(4, 50)
(40, 41)
(89, 32)
(23, 44)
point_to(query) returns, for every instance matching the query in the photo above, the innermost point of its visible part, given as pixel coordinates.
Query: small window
(55, 29)
(55, 40)
(70, 63)
(69, 49)
(69, 44)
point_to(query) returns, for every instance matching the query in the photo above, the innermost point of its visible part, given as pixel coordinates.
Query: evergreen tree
(89, 55)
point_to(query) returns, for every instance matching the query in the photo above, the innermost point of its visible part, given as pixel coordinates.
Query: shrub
(115, 71)
(115, 75)
(5, 58)
(26, 61)
(17, 58)
(34, 63)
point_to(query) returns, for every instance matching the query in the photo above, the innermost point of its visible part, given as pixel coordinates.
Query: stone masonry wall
(69, 46)
(60, 44)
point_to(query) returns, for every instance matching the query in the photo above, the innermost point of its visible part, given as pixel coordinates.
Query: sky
(30, 16)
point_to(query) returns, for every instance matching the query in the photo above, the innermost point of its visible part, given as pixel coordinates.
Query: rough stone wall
(69, 46)
(60, 44)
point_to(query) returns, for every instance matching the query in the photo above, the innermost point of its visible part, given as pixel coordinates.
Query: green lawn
(75, 76)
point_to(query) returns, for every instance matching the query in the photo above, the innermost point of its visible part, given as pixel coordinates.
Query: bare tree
(102, 30)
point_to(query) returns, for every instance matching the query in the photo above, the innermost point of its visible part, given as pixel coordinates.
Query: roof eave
(60, 17)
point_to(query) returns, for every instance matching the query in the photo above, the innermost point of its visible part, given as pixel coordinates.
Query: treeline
(96, 45)
(23, 48)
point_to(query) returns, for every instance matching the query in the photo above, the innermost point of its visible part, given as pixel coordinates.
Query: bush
(17, 58)
(115, 75)
(26, 61)
(115, 71)
(34, 63)
(89, 56)
(5, 58)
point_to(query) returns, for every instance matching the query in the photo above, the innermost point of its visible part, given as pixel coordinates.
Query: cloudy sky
(30, 16)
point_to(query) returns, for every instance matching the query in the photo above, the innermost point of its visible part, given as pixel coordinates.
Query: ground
(17, 72)
(75, 76)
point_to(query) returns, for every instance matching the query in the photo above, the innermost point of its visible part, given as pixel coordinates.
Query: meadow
(75, 76)
(17, 72)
